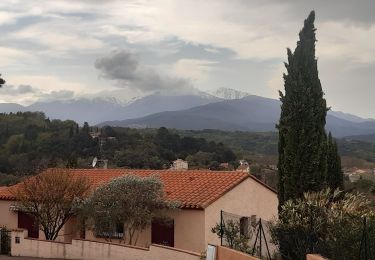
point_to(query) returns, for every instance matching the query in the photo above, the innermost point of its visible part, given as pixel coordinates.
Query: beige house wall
(315, 257)
(8, 219)
(246, 199)
(188, 231)
(91, 250)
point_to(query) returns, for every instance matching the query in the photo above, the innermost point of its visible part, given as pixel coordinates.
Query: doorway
(28, 222)
(162, 232)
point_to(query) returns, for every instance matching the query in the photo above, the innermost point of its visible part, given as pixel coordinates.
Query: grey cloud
(23, 90)
(17, 90)
(359, 12)
(124, 68)
(56, 95)
(120, 65)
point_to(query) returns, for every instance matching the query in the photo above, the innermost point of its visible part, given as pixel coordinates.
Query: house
(179, 164)
(243, 168)
(203, 195)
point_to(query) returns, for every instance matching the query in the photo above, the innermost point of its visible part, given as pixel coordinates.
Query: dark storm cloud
(123, 67)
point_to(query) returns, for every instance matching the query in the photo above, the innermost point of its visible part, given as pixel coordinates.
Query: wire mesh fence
(245, 233)
(348, 239)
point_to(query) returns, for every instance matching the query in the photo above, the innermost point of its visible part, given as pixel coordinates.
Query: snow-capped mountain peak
(228, 93)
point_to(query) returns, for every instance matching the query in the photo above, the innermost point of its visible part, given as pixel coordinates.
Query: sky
(65, 49)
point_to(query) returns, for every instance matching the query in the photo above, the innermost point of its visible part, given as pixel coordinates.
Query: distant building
(94, 134)
(353, 177)
(272, 167)
(243, 162)
(179, 164)
(243, 168)
(224, 166)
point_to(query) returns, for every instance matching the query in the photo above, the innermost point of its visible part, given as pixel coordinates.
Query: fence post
(221, 228)
(260, 238)
(364, 241)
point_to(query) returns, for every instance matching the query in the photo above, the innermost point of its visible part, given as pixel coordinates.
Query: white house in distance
(243, 167)
(179, 164)
(202, 196)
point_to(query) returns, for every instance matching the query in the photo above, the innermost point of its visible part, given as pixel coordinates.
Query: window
(118, 233)
(245, 227)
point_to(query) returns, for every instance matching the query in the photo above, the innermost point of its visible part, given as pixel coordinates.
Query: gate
(5, 239)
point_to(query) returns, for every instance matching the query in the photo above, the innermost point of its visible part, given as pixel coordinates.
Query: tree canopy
(130, 201)
(30, 142)
(52, 197)
(302, 138)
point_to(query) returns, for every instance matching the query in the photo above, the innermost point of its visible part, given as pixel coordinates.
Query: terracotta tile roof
(193, 189)
(5, 193)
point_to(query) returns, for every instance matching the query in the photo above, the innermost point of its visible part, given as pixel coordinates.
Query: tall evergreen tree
(302, 138)
(334, 176)
(86, 128)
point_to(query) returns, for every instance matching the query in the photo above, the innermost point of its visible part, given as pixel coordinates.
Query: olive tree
(52, 198)
(130, 201)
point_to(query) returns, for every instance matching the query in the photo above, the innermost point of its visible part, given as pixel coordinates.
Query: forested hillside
(262, 146)
(30, 142)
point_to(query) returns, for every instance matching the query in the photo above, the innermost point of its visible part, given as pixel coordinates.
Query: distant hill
(98, 110)
(365, 138)
(11, 107)
(349, 117)
(251, 113)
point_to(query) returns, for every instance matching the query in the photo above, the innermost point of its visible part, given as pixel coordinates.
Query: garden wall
(224, 253)
(92, 250)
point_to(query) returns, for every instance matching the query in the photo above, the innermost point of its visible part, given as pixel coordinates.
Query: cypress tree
(302, 138)
(334, 176)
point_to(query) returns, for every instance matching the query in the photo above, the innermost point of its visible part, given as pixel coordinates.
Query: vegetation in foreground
(327, 222)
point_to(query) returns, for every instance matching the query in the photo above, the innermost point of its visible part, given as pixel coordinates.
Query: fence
(245, 233)
(5, 239)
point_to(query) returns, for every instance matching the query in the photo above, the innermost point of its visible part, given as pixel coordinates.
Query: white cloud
(193, 68)
(63, 38)
(13, 57)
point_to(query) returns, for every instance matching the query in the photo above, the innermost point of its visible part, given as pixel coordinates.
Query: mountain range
(250, 113)
(224, 109)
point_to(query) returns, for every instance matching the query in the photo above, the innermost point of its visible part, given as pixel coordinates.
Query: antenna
(94, 162)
